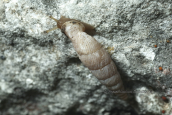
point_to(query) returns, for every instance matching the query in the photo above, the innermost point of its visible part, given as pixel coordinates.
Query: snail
(92, 54)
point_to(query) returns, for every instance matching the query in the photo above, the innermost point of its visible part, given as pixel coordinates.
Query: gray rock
(40, 74)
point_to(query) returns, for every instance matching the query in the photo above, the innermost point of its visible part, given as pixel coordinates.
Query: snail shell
(92, 54)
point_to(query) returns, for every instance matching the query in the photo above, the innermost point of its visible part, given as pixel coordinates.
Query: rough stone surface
(40, 74)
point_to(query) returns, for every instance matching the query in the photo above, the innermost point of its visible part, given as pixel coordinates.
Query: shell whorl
(93, 56)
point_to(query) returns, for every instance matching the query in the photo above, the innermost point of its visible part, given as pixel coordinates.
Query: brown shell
(94, 57)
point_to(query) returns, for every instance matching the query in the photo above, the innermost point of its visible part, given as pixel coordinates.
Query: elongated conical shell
(94, 57)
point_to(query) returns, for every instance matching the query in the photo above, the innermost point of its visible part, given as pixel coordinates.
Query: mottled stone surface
(40, 74)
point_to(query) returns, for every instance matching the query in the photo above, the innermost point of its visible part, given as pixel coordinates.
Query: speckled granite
(40, 74)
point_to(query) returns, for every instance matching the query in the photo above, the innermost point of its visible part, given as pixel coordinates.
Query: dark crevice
(73, 60)
(19, 97)
(73, 110)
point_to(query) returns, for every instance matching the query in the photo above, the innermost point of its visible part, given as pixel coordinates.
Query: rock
(41, 73)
